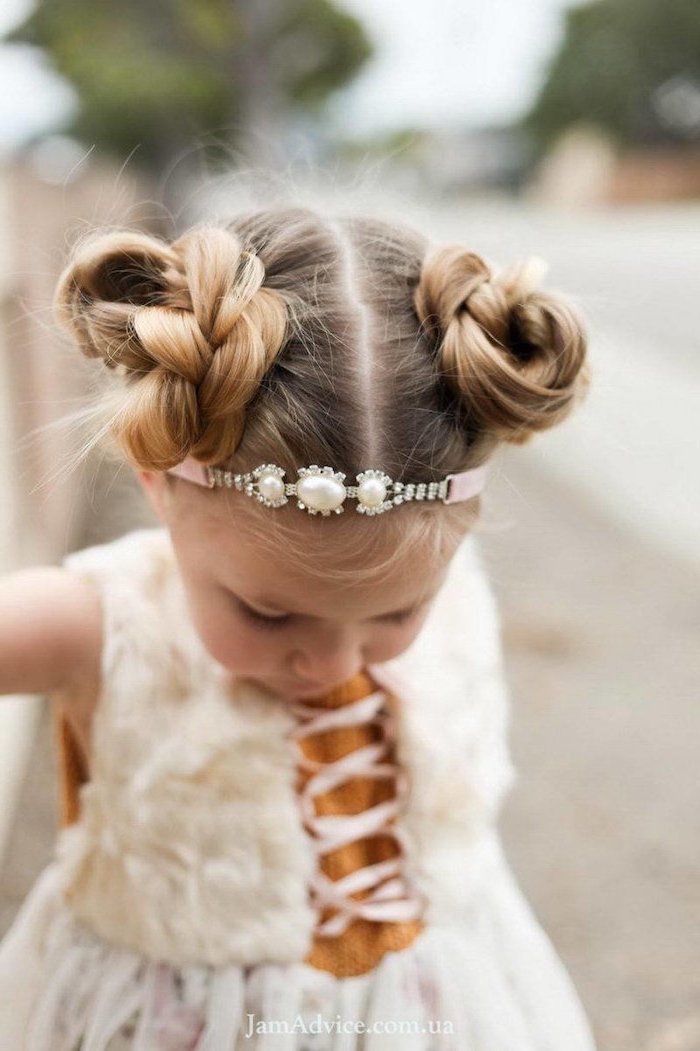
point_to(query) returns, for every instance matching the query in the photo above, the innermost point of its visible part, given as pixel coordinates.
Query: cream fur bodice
(190, 845)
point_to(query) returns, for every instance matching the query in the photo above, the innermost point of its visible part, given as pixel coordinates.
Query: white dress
(490, 981)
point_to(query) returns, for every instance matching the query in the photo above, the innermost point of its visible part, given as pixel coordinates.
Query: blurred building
(585, 167)
(455, 161)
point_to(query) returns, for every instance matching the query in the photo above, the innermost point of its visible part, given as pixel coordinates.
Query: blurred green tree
(631, 67)
(162, 76)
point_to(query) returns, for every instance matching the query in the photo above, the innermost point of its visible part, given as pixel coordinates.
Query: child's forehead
(347, 539)
(311, 557)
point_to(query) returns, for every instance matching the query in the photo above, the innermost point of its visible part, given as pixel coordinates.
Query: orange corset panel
(350, 789)
(72, 769)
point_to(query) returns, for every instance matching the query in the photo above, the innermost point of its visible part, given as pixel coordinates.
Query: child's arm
(50, 631)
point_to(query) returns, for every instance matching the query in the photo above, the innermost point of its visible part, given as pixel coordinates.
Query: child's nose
(330, 662)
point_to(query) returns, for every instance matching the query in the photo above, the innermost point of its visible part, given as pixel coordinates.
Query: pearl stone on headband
(321, 490)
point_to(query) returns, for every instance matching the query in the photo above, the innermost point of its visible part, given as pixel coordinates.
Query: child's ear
(154, 485)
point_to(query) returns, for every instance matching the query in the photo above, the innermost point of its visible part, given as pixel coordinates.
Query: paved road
(601, 826)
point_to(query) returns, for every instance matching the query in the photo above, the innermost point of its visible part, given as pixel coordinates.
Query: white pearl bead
(371, 492)
(321, 493)
(271, 486)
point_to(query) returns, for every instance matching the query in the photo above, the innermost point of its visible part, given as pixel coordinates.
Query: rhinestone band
(321, 490)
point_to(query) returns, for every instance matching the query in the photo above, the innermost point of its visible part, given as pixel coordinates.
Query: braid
(514, 356)
(191, 328)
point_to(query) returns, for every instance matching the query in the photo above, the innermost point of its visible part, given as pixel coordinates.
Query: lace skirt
(493, 982)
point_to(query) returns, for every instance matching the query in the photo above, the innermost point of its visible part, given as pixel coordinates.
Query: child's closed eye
(401, 617)
(260, 618)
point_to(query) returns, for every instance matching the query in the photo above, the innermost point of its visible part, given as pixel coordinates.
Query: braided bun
(515, 357)
(191, 328)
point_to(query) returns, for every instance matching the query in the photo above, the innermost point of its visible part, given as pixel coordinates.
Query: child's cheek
(249, 654)
(240, 648)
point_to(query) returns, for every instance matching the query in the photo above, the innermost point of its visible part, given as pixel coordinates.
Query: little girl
(282, 713)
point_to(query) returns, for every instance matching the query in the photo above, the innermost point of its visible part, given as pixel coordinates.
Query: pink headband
(321, 489)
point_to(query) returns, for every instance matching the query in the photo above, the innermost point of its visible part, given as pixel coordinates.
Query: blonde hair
(292, 337)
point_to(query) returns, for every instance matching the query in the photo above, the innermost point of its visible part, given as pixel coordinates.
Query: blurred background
(565, 130)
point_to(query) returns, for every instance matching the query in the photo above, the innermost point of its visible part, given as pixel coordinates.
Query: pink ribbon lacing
(390, 900)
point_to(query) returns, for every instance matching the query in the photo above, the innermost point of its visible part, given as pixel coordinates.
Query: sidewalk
(601, 827)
